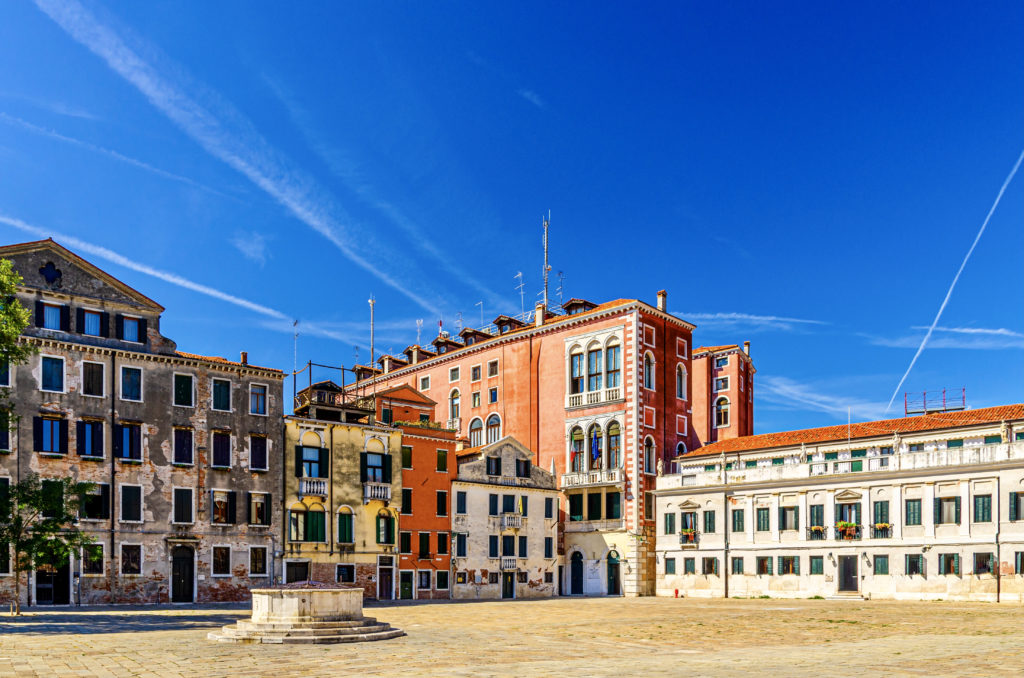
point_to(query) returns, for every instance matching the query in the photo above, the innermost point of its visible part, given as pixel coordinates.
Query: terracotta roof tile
(714, 349)
(223, 361)
(867, 429)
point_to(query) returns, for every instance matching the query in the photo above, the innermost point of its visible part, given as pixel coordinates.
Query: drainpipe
(113, 476)
(999, 560)
(725, 549)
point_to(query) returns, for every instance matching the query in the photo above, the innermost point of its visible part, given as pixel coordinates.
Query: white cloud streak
(956, 278)
(773, 322)
(800, 396)
(253, 246)
(966, 338)
(42, 131)
(532, 97)
(999, 331)
(242, 148)
(58, 107)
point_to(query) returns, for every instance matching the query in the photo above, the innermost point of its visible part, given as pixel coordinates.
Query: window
(442, 460)
(576, 449)
(474, 373)
(53, 374)
(522, 547)
(492, 546)
(915, 447)
(131, 504)
(460, 503)
(442, 502)
(817, 565)
(441, 580)
(789, 517)
(913, 512)
(763, 520)
(648, 371)
(885, 451)
(425, 383)
(407, 500)
(259, 508)
(222, 395)
(721, 412)
(523, 468)
(128, 441)
(549, 547)
(594, 506)
(53, 498)
(385, 415)
(614, 445)
(914, 563)
(90, 438)
(737, 565)
(612, 366)
(257, 399)
(311, 462)
(92, 559)
(424, 552)
(721, 362)
(670, 523)
(184, 390)
(648, 506)
(881, 564)
(406, 456)
(764, 565)
(405, 542)
(182, 446)
(221, 449)
(549, 507)
(130, 329)
(258, 561)
(983, 563)
(222, 507)
(492, 368)
(424, 418)
(949, 563)
(131, 559)
(131, 383)
(385, 529)
(613, 506)
(681, 381)
(492, 394)
(221, 561)
(345, 574)
(576, 373)
(649, 460)
(709, 566)
(1016, 507)
(475, 399)
(442, 543)
(95, 505)
(983, 508)
(789, 565)
(257, 453)
(461, 578)
(183, 505)
(476, 433)
(93, 379)
(689, 566)
(307, 526)
(709, 522)
(594, 436)
(594, 370)
(53, 317)
(575, 507)
(955, 443)
(508, 503)
(722, 384)
(493, 429)
(947, 510)
(453, 404)
(460, 545)
(453, 374)
(5, 373)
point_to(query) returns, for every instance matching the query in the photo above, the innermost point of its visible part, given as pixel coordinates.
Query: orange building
(723, 393)
(428, 467)
(602, 393)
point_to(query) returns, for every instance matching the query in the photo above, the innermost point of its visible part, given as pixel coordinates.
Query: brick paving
(593, 637)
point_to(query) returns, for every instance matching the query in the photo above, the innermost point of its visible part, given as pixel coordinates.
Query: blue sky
(808, 179)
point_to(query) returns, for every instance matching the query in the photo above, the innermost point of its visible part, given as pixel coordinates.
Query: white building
(927, 507)
(504, 524)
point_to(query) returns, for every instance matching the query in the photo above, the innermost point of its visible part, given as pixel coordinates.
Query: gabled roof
(405, 393)
(56, 248)
(868, 429)
(224, 361)
(323, 385)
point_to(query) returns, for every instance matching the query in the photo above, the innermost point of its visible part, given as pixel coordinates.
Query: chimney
(245, 357)
(662, 300)
(746, 347)
(415, 354)
(387, 364)
(539, 312)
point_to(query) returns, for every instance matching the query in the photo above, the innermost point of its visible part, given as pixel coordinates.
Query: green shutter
(956, 510)
(956, 564)
(796, 518)
(937, 515)
(993, 440)
(780, 565)
(796, 565)
(1013, 506)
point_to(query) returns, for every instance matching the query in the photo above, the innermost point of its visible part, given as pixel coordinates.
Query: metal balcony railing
(313, 487)
(879, 531)
(817, 533)
(378, 491)
(848, 533)
(689, 538)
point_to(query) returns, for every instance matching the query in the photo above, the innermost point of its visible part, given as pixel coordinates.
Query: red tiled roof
(469, 451)
(714, 349)
(867, 429)
(223, 361)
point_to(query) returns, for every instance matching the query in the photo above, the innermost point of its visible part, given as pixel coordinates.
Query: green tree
(14, 350)
(38, 523)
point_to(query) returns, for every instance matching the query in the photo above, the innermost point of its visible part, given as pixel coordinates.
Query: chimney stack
(662, 300)
(746, 347)
(539, 311)
(245, 357)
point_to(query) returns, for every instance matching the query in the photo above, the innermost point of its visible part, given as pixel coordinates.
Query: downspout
(999, 560)
(725, 550)
(113, 475)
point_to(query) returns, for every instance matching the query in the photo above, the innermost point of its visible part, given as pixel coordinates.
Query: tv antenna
(458, 321)
(372, 302)
(481, 305)
(522, 299)
(561, 286)
(547, 222)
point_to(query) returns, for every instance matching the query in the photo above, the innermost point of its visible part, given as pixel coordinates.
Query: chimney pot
(245, 357)
(662, 300)
(539, 312)
(746, 347)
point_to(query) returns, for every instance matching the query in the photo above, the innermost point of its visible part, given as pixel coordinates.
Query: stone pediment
(848, 495)
(689, 505)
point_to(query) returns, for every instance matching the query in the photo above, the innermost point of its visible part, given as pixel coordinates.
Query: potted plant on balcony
(817, 529)
(883, 527)
(846, 529)
(687, 535)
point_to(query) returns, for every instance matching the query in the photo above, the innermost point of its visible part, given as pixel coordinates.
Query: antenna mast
(547, 222)
(561, 286)
(481, 305)
(458, 321)
(522, 299)
(372, 303)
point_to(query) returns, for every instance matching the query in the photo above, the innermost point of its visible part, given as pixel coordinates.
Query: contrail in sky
(956, 278)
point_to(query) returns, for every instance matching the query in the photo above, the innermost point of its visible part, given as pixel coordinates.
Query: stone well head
(303, 604)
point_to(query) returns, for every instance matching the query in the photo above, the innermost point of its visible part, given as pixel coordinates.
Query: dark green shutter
(781, 571)
(956, 564)
(248, 503)
(782, 515)
(322, 461)
(63, 428)
(65, 318)
(1013, 506)
(80, 438)
(796, 565)
(937, 516)
(105, 502)
(143, 335)
(956, 510)
(80, 320)
(362, 467)
(119, 326)
(796, 518)
(37, 433)
(387, 468)
(232, 507)
(105, 325)
(269, 507)
(40, 314)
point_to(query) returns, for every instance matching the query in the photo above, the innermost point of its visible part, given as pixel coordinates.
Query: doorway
(53, 584)
(385, 578)
(848, 574)
(576, 574)
(405, 583)
(613, 574)
(508, 584)
(296, 571)
(182, 575)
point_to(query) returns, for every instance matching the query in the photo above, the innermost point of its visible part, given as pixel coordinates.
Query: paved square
(590, 637)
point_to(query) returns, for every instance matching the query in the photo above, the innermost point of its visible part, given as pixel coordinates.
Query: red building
(723, 393)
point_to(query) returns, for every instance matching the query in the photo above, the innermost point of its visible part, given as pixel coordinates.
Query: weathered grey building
(184, 450)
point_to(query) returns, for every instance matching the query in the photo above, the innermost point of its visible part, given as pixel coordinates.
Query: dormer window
(51, 317)
(494, 466)
(91, 323)
(130, 329)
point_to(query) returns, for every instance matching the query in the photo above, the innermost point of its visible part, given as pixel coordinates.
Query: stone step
(256, 630)
(354, 623)
(315, 640)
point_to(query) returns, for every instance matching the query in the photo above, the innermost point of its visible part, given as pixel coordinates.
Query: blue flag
(595, 447)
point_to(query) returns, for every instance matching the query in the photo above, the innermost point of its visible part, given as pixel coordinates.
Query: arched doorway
(182, 575)
(576, 574)
(614, 589)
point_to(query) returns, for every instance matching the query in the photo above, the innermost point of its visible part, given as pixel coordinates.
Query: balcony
(689, 538)
(817, 533)
(847, 532)
(511, 521)
(592, 398)
(454, 424)
(881, 531)
(312, 487)
(376, 491)
(508, 563)
(611, 476)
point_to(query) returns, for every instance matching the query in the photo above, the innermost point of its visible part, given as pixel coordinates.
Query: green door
(405, 579)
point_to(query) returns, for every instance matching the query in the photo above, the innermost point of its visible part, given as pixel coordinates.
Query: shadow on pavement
(126, 620)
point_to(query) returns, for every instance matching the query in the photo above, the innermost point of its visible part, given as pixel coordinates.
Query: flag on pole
(595, 446)
(520, 504)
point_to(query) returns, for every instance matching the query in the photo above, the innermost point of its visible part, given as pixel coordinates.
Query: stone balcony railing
(512, 520)
(312, 487)
(508, 563)
(454, 424)
(376, 491)
(611, 476)
(592, 398)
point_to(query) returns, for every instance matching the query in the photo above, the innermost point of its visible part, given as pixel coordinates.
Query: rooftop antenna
(561, 286)
(295, 341)
(481, 305)
(458, 321)
(372, 302)
(522, 300)
(419, 328)
(547, 268)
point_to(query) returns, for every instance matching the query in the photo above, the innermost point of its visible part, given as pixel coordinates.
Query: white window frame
(686, 381)
(430, 577)
(214, 560)
(680, 342)
(714, 412)
(474, 367)
(248, 511)
(447, 502)
(142, 560)
(496, 373)
(193, 378)
(266, 562)
(653, 418)
(64, 373)
(654, 372)
(231, 448)
(81, 379)
(174, 506)
(437, 587)
(236, 523)
(266, 399)
(492, 390)
(684, 430)
(231, 399)
(650, 464)
(425, 382)
(715, 360)
(81, 560)
(338, 565)
(267, 462)
(142, 384)
(58, 307)
(457, 371)
(193, 455)
(120, 504)
(721, 389)
(649, 336)
(81, 330)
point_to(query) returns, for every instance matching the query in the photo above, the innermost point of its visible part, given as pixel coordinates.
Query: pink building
(723, 378)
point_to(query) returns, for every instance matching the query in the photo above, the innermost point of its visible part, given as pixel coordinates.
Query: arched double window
(648, 371)
(649, 455)
(576, 449)
(722, 411)
(681, 381)
(614, 445)
(612, 360)
(594, 440)
(594, 368)
(476, 432)
(453, 404)
(346, 533)
(576, 371)
(493, 429)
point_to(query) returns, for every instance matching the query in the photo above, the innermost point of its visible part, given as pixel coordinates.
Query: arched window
(476, 432)
(594, 369)
(612, 357)
(722, 412)
(385, 527)
(493, 428)
(648, 455)
(307, 523)
(614, 445)
(681, 381)
(680, 449)
(453, 404)
(346, 535)
(576, 371)
(648, 371)
(576, 449)
(594, 447)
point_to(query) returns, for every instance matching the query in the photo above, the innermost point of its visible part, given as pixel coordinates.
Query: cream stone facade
(921, 508)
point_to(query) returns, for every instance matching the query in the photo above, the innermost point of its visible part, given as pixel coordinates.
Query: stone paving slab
(593, 637)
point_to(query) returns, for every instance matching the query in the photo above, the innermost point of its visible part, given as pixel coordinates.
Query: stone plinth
(312, 614)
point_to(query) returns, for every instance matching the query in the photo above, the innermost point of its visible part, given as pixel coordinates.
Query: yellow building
(341, 472)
